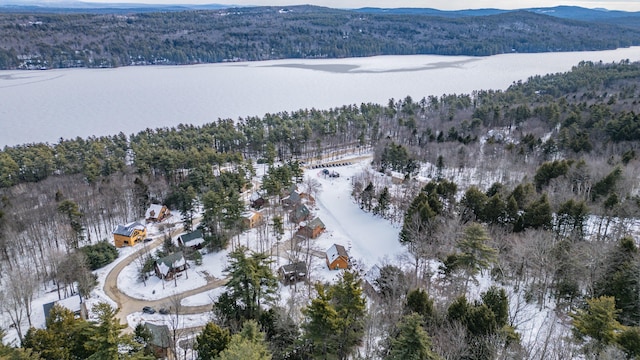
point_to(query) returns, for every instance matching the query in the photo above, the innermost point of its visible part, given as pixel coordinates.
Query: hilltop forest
(542, 177)
(39, 40)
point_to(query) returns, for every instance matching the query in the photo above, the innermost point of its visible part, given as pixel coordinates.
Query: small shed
(194, 240)
(170, 266)
(337, 258)
(299, 213)
(156, 213)
(312, 229)
(293, 273)
(160, 341)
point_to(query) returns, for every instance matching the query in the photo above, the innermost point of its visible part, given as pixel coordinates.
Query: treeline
(37, 40)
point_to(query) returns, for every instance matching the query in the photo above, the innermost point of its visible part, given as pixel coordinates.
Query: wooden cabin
(160, 342)
(337, 258)
(293, 273)
(129, 234)
(194, 240)
(156, 213)
(170, 266)
(251, 219)
(299, 213)
(312, 229)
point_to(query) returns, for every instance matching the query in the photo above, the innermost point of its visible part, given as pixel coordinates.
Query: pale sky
(628, 5)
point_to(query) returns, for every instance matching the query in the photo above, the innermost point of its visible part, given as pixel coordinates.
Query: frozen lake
(43, 106)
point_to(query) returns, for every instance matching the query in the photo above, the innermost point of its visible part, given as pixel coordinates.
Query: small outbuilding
(129, 234)
(293, 273)
(337, 258)
(194, 240)
(170, 266)
(156, 213)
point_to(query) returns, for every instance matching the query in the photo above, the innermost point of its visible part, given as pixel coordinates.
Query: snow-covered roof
(159, 334)
(169, 262)
(127, 230)
(193, 238)
(317, 223)
(335, 252)
(372, 275)
(153, 211)
(249, 214)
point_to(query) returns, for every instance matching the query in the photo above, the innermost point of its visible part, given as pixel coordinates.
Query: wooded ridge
(63, 40)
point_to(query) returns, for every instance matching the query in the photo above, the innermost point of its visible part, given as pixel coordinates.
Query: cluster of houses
(296, 205)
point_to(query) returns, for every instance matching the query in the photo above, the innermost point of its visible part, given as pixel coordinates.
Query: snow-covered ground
(370, 240)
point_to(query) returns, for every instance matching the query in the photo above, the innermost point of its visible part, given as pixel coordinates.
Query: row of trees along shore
(535, 186)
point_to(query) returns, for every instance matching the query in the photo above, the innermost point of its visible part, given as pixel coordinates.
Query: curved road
(128, 305)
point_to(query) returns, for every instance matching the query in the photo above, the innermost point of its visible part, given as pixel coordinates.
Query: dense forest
(535, 186)
(38, 40)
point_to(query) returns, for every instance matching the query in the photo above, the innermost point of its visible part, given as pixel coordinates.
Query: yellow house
(251, 219)
(130, 234)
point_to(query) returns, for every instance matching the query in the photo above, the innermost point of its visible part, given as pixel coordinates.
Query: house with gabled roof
(292, 199)
(257, 201)
(292, 273)
(129, 234)
(160, 341)
(156, 213)
(251, 219)
(170, 266)
(337, 258)
(194, 239)
(299, 213)
(312, 229)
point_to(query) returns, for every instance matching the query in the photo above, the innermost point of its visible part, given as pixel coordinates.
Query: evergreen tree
(475, 255)
(211, 341)
(247, 345)
(621, 279)
(321, 324)
(384, 199)
(418, 301)
(251, 283)
(335, 319)
(107, 341)
(598, 321)
(412, 341)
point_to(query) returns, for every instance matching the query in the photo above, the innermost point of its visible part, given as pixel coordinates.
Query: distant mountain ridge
(563, 12)
(42, 36)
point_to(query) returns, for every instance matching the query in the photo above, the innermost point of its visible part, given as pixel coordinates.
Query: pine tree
(475, 255)
(412, 341)
(597, 321)
(335, 319)
(251, 282)
(212, 341)
(247, 345)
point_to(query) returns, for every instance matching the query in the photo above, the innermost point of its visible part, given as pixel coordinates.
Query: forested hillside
(39, 40)
(535, 187)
